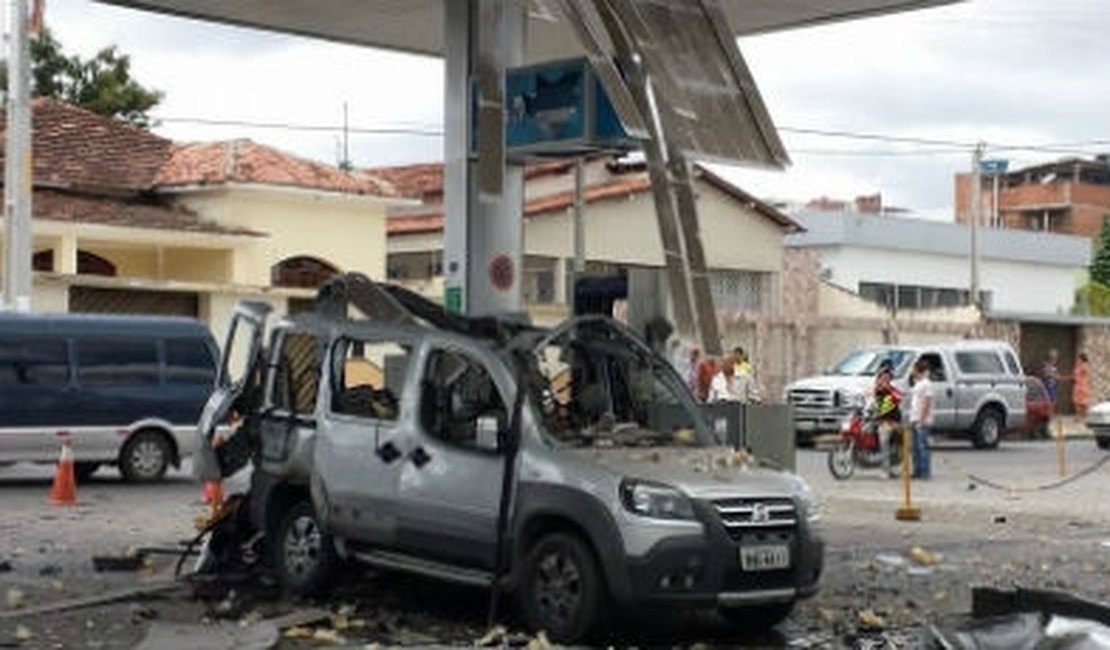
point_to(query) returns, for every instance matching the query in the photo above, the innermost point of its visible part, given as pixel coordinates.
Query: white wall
(1015, 286)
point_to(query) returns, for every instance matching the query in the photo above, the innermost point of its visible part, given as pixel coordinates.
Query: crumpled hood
(702, 473)
(853, 383)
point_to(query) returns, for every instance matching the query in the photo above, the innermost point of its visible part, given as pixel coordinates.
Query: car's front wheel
(562, 590)
(305, 552)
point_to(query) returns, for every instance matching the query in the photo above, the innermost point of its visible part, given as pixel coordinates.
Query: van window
(116, 362)
(189, 361)
(33, 362)
(368, 377)
(984, 362)
(458, 399)
(936, 366)
(1012, 364)
(297, 376)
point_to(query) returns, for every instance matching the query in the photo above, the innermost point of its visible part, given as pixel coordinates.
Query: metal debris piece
(103, 563)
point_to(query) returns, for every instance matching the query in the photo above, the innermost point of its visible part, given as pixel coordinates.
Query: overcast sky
(1007, 72)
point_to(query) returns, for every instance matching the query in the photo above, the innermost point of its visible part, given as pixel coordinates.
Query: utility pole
(579, 226)
(976, 215)
(17, 166)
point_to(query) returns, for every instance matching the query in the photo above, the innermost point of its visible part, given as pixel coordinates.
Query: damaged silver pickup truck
(569, 467)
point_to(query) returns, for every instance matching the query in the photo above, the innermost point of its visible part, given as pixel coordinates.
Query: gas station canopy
(417, 25)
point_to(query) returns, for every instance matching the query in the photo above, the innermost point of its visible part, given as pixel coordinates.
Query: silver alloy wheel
(558, 587)
(989, 431)
(147, 458)
(302, 547)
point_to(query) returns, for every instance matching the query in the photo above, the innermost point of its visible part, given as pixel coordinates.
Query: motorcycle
(859, 446)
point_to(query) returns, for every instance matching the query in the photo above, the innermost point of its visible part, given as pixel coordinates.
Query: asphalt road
(981, 535)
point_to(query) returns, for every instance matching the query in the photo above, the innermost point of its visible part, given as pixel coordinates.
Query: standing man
(921, 418)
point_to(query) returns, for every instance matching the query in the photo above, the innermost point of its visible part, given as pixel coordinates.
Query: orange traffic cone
(64, 491)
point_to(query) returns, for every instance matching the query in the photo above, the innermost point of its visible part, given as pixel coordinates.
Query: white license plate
(764, 558)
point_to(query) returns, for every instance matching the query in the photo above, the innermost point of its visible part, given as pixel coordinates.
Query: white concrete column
(65, 255)
(483, 231)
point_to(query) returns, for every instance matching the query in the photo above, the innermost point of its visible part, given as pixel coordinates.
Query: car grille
(741, 516)
(810, 398)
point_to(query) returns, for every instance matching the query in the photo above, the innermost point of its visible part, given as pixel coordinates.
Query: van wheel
(304, 551)
(987, 430)
(562, 590)
(757, 618)
(83, 470)
(145, 457)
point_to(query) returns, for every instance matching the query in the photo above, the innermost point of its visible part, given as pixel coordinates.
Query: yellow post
(1061, 456)
(908, 512)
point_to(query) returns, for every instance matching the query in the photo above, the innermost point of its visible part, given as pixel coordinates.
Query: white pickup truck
(978, 389)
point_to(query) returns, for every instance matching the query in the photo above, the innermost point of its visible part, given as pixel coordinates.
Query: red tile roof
(75, 148)
(432, 221)
(56, 205)
(244, 161)
(425, 180)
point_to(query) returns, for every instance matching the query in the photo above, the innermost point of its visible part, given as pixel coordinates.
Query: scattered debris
(90, 601)
(49, 570)
(299, 618)
(299, 632)
(494, 637)
(924, 557)
(890, 559)
(131, 562)
(869, 620)
(999, 519)
(539, 642)
(5, 566)
(324, 636)
(219, 636)
(23, 633)
(15, 598)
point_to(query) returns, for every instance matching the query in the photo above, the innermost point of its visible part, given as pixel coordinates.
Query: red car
(1038, 408)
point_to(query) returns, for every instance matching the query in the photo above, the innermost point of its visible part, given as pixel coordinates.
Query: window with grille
(738, 290)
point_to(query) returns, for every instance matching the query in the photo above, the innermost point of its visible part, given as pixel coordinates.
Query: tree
(102, 84)
(1100, 266)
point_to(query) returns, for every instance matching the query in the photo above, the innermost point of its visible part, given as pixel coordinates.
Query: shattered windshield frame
(600, 387)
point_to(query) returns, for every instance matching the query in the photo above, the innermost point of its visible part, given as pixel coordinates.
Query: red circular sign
(501, 272)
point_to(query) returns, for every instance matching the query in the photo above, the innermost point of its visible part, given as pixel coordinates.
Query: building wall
(346, 232)
(1015, 287)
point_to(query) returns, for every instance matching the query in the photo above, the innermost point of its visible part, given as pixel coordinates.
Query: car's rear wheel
(145, 457)
(756, 618)
(304, 553)
(562, 590)
(987, 430)
(1103, 442)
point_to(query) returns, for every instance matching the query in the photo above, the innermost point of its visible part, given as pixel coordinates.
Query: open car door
(237, 380)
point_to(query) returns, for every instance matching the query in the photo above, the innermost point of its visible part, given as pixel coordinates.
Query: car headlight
(808, 504)
(655, 500)
(849, 398)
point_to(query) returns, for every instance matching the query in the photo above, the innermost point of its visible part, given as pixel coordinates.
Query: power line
(929, 146)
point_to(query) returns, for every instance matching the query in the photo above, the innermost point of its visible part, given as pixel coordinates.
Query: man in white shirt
(730, 386)
(921, 418)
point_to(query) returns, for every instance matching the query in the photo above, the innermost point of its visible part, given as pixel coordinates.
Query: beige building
(126, 221)
(743, 236)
